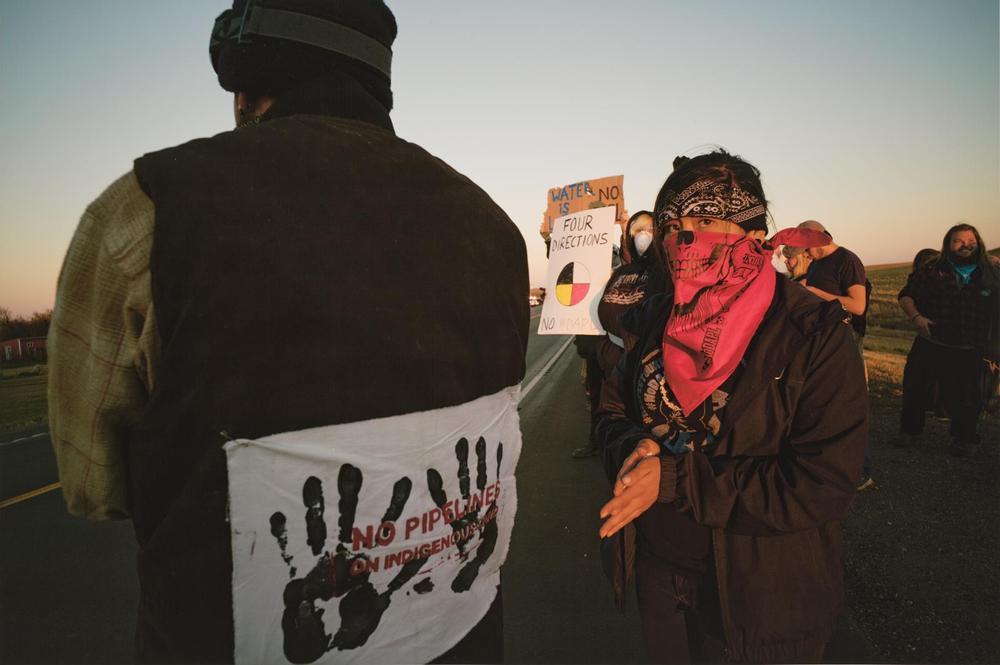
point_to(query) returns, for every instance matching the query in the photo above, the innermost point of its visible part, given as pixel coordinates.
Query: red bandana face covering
(723, 285)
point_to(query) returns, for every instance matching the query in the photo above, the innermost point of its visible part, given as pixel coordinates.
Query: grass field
(22, 402)
(883, 309)
(889, 333)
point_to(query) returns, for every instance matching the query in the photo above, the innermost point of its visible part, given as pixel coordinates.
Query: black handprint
(305, 636)
(460, 525)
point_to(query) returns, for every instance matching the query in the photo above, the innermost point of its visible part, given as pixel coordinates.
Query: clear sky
(879, 118)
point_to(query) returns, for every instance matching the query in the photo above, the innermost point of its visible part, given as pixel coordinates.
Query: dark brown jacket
(780, 480)
(310, 270)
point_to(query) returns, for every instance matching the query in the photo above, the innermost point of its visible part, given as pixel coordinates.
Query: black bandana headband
(711, 198)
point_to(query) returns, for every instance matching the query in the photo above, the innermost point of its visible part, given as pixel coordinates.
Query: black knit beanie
(260, 65)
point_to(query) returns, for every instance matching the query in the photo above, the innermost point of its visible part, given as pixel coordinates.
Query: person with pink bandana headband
(733, 432)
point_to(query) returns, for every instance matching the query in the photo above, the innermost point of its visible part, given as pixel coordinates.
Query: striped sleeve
(102, 344)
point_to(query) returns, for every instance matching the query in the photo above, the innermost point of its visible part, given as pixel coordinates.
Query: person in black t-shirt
(836, 273)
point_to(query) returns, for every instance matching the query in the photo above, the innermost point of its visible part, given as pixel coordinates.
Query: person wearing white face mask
(639, 276)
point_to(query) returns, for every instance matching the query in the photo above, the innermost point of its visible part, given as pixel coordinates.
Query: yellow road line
(27, 495)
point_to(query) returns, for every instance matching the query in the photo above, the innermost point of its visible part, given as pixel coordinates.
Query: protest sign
(372, 542)
(586, 195)
(579, 267)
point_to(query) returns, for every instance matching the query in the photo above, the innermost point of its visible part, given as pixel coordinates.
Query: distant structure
(23, 348)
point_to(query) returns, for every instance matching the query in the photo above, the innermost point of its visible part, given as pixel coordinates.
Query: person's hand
(636, 488)
(923, 325)
(646, 448)
(543, 228)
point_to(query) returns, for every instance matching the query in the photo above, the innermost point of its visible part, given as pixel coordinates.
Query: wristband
(914, 316)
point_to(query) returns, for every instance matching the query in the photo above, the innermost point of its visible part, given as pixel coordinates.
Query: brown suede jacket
(780, 480)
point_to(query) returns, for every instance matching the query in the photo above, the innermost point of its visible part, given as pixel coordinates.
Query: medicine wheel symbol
(572, 284)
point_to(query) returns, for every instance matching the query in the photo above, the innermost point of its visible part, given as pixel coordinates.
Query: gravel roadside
(923, 546)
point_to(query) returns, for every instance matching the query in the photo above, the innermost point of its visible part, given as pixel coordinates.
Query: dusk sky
(879, 118)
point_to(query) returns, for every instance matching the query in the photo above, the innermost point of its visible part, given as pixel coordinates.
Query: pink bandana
(799, 238)
(723, 285)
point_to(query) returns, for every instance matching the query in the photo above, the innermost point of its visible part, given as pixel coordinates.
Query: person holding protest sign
(288, 409)
(733, 432)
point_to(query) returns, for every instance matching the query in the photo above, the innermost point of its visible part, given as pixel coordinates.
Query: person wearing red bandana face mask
(733, 433)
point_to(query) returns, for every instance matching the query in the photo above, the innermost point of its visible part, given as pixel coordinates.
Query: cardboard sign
(579, 268)
(372, 542)
(586, 195)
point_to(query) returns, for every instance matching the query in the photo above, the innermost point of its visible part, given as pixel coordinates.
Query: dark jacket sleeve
(617, 434)
(909, 289)
(812, 479)
(615, 427)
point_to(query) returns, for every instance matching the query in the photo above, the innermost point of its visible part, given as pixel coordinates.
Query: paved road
(67, 587)
(68, 590)
(557, 603)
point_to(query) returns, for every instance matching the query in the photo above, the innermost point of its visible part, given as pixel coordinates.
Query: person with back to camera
(953, 302)
(733, 432)
(217, 300)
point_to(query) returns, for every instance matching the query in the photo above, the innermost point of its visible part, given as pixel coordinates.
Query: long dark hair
(983, 263)
(925, 255)
(654, 264)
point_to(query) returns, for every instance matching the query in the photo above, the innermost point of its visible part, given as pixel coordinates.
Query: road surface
(68, 589)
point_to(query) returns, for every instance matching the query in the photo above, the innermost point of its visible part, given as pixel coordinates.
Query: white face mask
(642, 240)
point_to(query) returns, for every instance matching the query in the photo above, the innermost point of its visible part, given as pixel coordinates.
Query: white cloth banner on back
(579, 268)
(378, 541)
